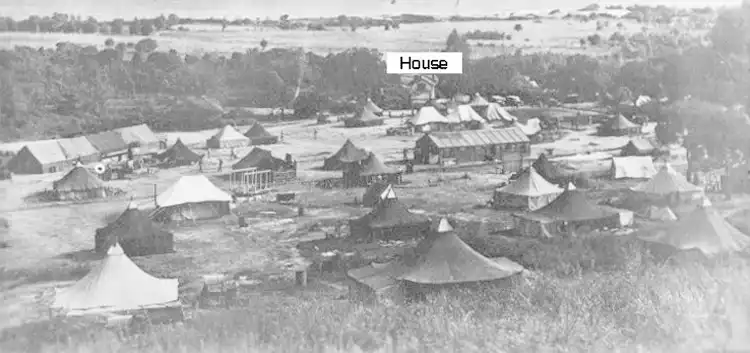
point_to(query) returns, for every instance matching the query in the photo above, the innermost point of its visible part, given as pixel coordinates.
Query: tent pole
(155, 195)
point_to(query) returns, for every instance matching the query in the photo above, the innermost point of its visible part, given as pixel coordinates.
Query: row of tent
(229, 137)
(55, 155)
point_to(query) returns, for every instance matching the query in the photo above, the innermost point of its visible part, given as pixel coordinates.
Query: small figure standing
(200, 165)
(221, 164)
(315, 134)
(234, 153)
(281, 137)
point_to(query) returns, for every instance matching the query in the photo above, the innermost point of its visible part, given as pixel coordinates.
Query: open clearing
(550, 35)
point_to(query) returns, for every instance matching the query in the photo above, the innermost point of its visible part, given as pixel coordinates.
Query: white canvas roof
(370, 105)
(427, 115)
(47, 152)
(636, 167)
(496, 112)
(666, 181)
(228, 133)
(191, 189)
(77, 147)
(531, 183)
(116, 284)
(463, 114)
(532, 126)
(444, 226)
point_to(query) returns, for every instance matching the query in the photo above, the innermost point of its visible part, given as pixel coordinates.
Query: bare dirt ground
(550, 35)
(50, 246)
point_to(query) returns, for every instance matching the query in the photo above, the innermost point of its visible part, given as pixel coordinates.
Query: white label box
(428, 63)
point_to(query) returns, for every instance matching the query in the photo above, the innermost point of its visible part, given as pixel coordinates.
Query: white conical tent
(529, 192)
(428, 115)
(444, 226)
(227, 137)
(388, 193)
(571, 186)
(370, 105)
(463, 114)
(116, 284)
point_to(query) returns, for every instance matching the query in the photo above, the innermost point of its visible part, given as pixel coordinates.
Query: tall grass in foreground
(654, 308)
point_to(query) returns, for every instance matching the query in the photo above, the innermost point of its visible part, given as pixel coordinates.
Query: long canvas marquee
(192, 197)
(117, 284)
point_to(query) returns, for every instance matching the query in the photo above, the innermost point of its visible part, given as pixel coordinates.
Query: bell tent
(192, 197)
(440, 260)
(375, 193)
(367, 117)
(703, 230)
(372, 107)
(178, 155)
(369, 170)
(227, 137)
(429, 119)
(570, 213)
(116, 284)
(258, 135)
(478, 101)
(529, 192)
(348, 153)
(389, 219)
(136, 234)
(80, 184)
(668, 187)
(620, 126)
(261, 160)
(496, 113)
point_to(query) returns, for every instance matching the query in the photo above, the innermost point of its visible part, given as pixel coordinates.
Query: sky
(232, 9)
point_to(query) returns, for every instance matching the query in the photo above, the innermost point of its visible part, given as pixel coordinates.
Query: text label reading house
(424, 63)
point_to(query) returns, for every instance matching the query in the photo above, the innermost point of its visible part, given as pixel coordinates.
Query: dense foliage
(72, 88)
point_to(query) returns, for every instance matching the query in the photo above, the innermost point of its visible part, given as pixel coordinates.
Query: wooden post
(301, 277)
(155, 196)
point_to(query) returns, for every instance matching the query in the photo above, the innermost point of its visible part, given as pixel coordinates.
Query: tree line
(49, 92)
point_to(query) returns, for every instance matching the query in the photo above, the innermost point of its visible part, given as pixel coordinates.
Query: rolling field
(550, 35)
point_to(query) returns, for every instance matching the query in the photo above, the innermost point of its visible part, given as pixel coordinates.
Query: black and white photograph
(380, 176)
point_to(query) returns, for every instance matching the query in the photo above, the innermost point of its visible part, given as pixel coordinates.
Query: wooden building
(508, 145)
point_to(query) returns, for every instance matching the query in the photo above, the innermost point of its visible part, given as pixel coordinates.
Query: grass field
(590, 294)
(550, 35)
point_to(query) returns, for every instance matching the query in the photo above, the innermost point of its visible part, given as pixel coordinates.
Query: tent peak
(444, 226)
(115, 250)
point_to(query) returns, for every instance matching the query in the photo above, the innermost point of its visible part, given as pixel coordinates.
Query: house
(111, 146)
(39, 158)
(422, 88)
(141, 137)
(509, 145)
(79, 149)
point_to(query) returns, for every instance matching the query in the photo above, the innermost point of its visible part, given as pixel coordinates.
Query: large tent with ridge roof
(440, 260)
(348, 153)
(429, 119)
(571, 213)
(390, 219)
(136, 233)
(619, 126)
(192, 197)
(178, 155)
(116, 284)
(529, 192)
